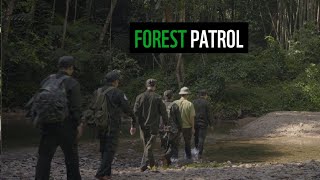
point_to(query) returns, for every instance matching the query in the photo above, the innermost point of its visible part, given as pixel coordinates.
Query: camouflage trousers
(173, 146)
(149, 141)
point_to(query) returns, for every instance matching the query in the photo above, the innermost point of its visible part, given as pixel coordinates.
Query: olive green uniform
(109, 139)
(148, 108)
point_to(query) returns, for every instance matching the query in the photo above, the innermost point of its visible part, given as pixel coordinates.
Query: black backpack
(50, 104)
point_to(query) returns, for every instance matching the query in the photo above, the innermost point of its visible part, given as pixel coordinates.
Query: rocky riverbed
(292, 152)
(19, 164)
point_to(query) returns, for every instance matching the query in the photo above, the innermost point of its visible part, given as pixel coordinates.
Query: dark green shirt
(203, 113)
(119, 105)
(148, 108)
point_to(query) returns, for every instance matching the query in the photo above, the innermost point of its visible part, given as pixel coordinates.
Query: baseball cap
(151, 82)
(67, 61)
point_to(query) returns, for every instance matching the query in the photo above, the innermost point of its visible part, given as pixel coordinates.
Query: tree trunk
(318, 17)
(179, 67)
(7, 21)
(301, 13)
(53, 11)
(296, 16)
(179, 70)
(75, 10)
(88, 9)
(167, 17)
(215, 11)
(33, 9)
(65, 23)
(107, 22)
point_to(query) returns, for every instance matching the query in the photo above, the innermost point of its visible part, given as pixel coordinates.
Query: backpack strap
(108, 89)
(105, 92)
(99, 100)
(61, 79)
(170, 105)
(49, 85)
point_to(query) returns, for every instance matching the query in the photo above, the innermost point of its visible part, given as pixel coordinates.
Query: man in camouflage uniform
(187, 113)
(202, 121)
(148, 108)
(171, 133)
(62, 134)
(109, 139)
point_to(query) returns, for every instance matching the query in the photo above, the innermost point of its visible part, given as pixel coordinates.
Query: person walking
(109, 125)
(56, 111)
(173, 130)
(203, 119)
(148, 108)
(187, 112)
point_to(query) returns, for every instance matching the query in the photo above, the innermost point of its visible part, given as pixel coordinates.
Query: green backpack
(98, 113)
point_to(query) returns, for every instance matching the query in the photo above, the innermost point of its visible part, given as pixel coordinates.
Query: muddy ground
(225, 157)
(258, 159)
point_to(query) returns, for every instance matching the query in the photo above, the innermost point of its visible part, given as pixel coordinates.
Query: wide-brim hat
(184, 91)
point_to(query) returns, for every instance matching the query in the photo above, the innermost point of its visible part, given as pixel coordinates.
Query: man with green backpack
(105, 113)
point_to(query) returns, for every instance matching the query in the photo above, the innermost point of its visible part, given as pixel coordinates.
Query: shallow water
(263, 150)
(219, 147)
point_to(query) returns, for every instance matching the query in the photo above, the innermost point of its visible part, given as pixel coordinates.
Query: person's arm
(192, 116)
(75, 103)
(177, 117)
(137, 107)
(210, 115)
(126, 108)
(75, 108)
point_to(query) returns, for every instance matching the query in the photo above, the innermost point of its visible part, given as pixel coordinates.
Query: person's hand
(132, 130)
(80, 130)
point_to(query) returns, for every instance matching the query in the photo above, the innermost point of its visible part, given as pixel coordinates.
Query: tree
(108, 21)
(179, 58)
(53, 10)
(7, 20)
(75, 10)
(65, 23)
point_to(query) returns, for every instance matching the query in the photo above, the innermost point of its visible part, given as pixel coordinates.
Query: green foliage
(309, 82)
(266, 79)
(303, 50)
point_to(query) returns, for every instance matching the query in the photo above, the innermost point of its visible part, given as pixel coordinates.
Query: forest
(280, 72)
